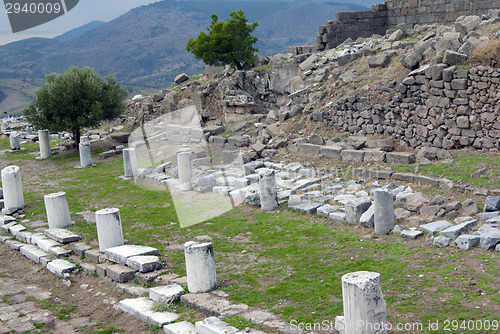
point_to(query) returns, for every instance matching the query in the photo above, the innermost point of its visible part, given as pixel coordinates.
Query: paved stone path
(19, 312)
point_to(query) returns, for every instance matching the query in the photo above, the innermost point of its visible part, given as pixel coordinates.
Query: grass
(284, 262)
(461, 169)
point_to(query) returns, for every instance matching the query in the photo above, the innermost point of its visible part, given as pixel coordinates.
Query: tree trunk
(76, 135)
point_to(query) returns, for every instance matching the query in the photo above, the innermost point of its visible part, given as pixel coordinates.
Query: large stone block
(355, 208)
(400, 158)
(306, 148)
(121, 253)
(352, 155)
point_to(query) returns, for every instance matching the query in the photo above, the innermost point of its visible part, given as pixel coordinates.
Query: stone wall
(393, 14)
(437, 106)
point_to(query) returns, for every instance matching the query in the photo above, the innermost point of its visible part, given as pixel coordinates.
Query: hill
(73, 33)
(145, 48)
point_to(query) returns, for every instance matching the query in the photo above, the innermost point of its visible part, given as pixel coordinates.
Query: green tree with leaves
(76, 99)
(227, 43)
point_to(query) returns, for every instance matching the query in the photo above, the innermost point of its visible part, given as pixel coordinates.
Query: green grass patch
(284, 262)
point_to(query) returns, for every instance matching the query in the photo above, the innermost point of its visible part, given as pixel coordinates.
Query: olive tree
(76, 99)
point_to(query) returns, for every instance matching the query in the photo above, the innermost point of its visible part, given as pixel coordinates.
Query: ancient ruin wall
(398, 14)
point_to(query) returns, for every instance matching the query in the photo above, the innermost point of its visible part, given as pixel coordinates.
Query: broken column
(200, 267)
(84, 149)
(364, 305)
(129, 162)
(12, 189)
(15, 143)
(44, 142)
(268, 190)
(185, 168)
(56, 206)
(384, 212)
(109, 228)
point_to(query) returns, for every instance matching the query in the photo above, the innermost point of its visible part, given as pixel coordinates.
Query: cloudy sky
(84, 12)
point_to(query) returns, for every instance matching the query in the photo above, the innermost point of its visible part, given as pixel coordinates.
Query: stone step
(60, 267)
(141, 308)
(182, 327)
(144, 263)
(121, 253)
(33, 253)
(166, 294)
(211, 304)
(214, 325)
(6, 219)
(61, 235)
(43, 242)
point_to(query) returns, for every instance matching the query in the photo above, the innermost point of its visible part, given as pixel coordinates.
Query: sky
(84, 12)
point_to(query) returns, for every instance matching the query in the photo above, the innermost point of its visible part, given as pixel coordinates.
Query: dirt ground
(96, 303)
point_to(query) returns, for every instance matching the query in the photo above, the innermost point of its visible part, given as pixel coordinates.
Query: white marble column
(56, 206)
(44, 142)
(185, 168)
(129, 162)
(15, 143)
(84, 149)
(268, 190)
(12, 189)
(109, 228)
(384, 212)
(364, 304)
(200, 267)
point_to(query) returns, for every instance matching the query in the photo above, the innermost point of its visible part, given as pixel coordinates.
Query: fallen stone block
(33, 253)
(325, 210)
(166, 294)
(454, 231)
(483, 216)
(355, 208)
(492, 204)
(411, 234)
(367, 219)
(436, 226)
(304, 206)
(144, 263)
(441, 241)
(214, 325)
(467, 241)
(337, 217)
(60, 267)
(119, 273)
(61, 235)
(121, 253)
(141, 308)
(183, 327)
(489, 239)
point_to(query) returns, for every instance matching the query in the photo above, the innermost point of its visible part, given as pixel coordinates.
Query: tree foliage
(76, 99)
(227, 43)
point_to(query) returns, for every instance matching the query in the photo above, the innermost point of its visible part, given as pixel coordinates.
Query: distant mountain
(79, 31)
(145, 48)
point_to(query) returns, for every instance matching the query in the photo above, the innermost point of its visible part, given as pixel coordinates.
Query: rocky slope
(421, 87)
